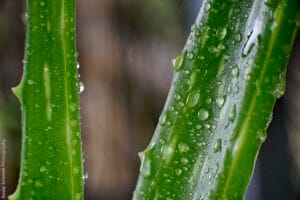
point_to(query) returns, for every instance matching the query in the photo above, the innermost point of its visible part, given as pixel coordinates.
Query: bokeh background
(125, 51)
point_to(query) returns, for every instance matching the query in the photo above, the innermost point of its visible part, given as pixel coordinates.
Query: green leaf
(227, 79)
(51, 158)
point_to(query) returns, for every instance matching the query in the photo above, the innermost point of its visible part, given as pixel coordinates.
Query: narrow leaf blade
(51, 159)
(227, 79)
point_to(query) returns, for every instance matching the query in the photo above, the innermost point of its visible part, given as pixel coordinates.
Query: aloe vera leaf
(51, 158)
(226, 81)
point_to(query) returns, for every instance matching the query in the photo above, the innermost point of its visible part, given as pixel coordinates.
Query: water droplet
(162, 141)
(235, 71)
(145, 168)
(184, 160)
(253, 37)
(177, 96)
(197, 32)
(30, 82)
(163, 119)
(77, 196)
(191, 55)
(172, 108)
(247, 74)
(187, 72)
(208, 100)
(72, 107)
(42, 3)
(193, 79)
(207, 126)
(193, 98)
(167, 151)
(218, 146)
(73, 123)
(280, 86)
(222, 33)
(261, 135)
(207, 7)
(198, 126)
(178, 61)
(43, 169)
(183, 147)
(81, 87)
(38, 183)
(238, 37)
(268, 3)
(203, 114)
(85, 177)
(74, 142)
(178, 172)
(220, 101)
(76, 170)
(181, 104)
(232, 114)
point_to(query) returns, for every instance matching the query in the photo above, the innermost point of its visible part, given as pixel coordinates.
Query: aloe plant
(51, 165)
(226, 81)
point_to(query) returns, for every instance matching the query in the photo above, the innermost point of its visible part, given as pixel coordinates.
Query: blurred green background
(125, 51)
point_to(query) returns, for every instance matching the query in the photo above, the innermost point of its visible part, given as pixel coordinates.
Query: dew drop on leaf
(76, 170)
(207, 7)
(235, 71)
(184, 160)
(191, 55)
(253, 37)
(222, 33)
(43, 169)
(208, 100)
(167, 151)
(203, 114)
(38, 183)
(178, 172)
(81, 87)
(232, 114)
(220, 101)
(218, 146)
(198, 126)
(163, 119)
(30, 82)
(73, 123)
(238, 37)
(177, 96)
(72, 107)
(85, 177)
(183, 147)
(77, 196)
(42, 3)
(178, 61)
(193, 98)
(145, 168)
(207, 126)
(261, 135)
